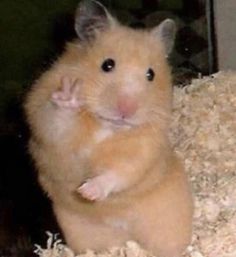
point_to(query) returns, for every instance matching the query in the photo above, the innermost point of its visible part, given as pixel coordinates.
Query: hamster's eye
(108, 65)
(150, 74)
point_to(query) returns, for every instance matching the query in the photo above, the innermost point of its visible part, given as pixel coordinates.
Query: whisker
(84, 72)
(156, 139)
(96, 84)
(159, 112)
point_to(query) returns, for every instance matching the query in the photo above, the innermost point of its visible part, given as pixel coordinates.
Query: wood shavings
(203, 134)
(55, 248)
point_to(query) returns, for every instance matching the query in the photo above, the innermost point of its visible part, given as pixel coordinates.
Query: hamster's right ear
(91, 19)
(166, 31)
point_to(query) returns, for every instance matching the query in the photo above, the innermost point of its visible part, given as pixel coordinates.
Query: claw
(92, 190)
(67, 95)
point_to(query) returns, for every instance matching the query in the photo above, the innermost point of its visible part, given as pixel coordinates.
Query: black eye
(108, 65)
(150, 74)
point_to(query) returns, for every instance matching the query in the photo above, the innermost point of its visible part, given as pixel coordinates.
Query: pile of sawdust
(203, 133)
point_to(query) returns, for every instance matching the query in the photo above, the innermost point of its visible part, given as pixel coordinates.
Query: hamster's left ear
(91, 18)
(166, 31)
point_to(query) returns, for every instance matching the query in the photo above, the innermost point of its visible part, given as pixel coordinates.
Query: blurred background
(33, 34)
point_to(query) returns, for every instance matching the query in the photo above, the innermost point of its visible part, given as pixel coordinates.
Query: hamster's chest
(108, 130)
(105, 131)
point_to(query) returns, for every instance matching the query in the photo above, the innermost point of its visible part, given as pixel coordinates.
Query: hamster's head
(126, 78)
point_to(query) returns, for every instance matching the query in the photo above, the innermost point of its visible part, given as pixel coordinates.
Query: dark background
(32, 35)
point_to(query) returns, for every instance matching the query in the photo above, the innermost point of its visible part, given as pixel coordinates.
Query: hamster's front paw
(97, 188)
(67, 95)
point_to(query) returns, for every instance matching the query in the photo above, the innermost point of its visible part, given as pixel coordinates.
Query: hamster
(99, 121)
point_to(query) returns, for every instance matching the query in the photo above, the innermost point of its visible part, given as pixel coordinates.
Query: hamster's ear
(166, 32)
(90, 19)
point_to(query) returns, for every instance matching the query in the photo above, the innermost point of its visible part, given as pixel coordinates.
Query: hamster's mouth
(119, 122)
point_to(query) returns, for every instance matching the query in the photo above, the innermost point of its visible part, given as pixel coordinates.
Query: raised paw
(96, 189)
(68, 95)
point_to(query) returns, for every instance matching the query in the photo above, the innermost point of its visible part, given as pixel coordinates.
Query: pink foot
(67, 96)
(96, 189)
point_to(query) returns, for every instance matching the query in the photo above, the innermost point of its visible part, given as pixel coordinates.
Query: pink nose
(127, 106)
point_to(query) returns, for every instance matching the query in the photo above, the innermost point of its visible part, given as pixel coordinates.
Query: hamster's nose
(127, 106)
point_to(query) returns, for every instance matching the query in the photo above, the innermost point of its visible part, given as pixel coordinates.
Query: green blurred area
(26, 29)
(171, 4)
(26, 41)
